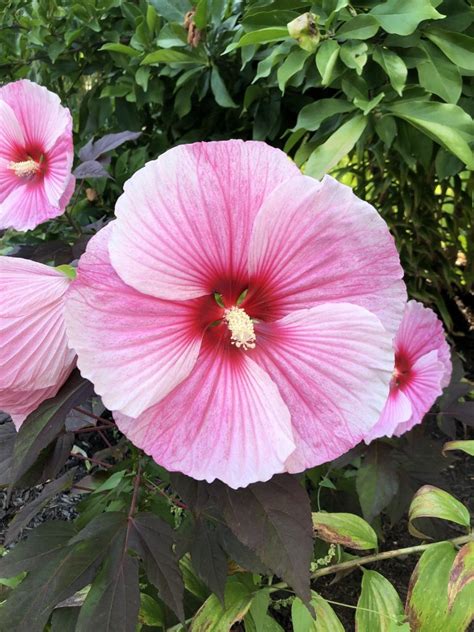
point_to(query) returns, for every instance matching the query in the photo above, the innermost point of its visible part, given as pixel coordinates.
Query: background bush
(378, 92)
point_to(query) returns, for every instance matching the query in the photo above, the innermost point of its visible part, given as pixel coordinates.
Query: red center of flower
(28, 163)
(402, 372)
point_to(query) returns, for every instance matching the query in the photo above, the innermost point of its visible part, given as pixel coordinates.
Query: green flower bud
(305, 31)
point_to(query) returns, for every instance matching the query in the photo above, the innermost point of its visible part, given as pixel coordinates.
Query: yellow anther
(241, 328)
(25, 169)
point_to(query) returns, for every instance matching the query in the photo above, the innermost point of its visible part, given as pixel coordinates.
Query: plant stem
(89, 414)
(386, 555)
(91, 459)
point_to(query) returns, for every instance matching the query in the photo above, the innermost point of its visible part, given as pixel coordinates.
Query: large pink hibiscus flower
(35, 359)
(224, 314)
(422, 370)
(36, 155)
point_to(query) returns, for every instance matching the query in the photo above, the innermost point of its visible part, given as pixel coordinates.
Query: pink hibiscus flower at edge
(288, 368)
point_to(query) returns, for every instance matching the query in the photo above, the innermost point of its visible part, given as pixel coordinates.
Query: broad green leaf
(464, 446)
(312, 115)
(267, 624)
(431, 502)
(219, 90)
(403, 16)
(457, 47)
(112, 47)
(215, 617)
(261, 36)
(354, 55)
(45, 423)
(292, 64)
(170, 56)
(344, 529)
(447, 124)
(377, 480)
(368, 106)
(172, 10)
(361, 27)
(438, 75)
(379, 606)
(152, 613)
(326, 59)
(153, 540)
(427, 602)
(326, 619)
(338, 145)
(7, 446)
(393, 65)
(462, 572)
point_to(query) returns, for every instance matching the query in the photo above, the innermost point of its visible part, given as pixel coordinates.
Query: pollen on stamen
(25, 169)
(241, 328)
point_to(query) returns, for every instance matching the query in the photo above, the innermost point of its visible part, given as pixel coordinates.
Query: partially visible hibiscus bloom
(35, 360)
(422, 370)
(36, 155)
(224, 316)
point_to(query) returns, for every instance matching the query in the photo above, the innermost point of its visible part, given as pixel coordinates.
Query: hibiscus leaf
(7, 444)
(377, 480)
(91, 169)
(274, 520)
(45, 423)
(153, 540)
(93, 150)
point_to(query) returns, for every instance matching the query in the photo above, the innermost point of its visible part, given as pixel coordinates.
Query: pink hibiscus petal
(11, 135)
(27, 206)
(184, 221)
(332, 364)
(57, 179)
(39, 112)
(397, 411)
(32, 335)
(134, 348)
(422, 389)
(420, 332)
(226, 421)
(316, 242)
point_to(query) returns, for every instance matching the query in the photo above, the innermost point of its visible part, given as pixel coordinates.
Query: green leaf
(338, 145)
(447, 124)
(170, 56)
(172, 10)
(151, 613)
(23, 517)
(45, 423)
(431, 502)
(273, 519)
(377, 480)
(438, 75)
(344, 529)
(7, 446)
(326, 59)
(261, 36)
(393, 65)
(215, 617)
(379, 606)
(457, 47)
(120, 48)
(219, 90)
(113, 601)
(312, 115)
(292, 64)
(362, 26)
(464, 446)
(354, 55)
(462, 572)
(403, 16)
(153, 540)
(326, 619)
(427, 601)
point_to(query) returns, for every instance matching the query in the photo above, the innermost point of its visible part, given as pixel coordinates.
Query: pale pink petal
(11, 135)
(57, 179)
(226, 421)
(420, 332)
(316, 242)
(185, 220)
(8, 181)
(134, 348)
(422, 389)
(32, 335)
(27, 206)
(332, 364)
(397, 411)
(39, 112)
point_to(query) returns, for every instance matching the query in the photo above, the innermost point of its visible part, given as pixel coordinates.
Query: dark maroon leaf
(377, 480)
(42, 543)
(153, 540)
(208, 558)
(64, 619)
(91, 169)
(55, 251)
(23, 517)
(7, 444)
(113, 601)
(103, 529)
(274, 520)
(59, 456)
(93, 150)
(239, 553)
(45, 423)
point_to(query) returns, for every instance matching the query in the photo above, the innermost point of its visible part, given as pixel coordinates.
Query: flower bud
(304, 30)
